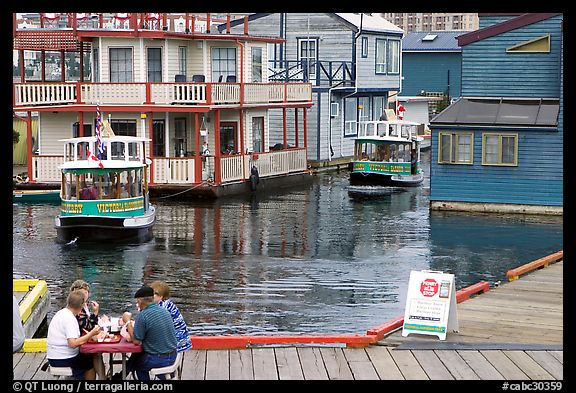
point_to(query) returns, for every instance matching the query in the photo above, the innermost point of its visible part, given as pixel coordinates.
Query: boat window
(69, 187)
(370, 129)
(69, 152)
(134, 151)
(381, 129)
(117, 150)
(82, 150)
(393, 130)
(405, 132)
(401, 156)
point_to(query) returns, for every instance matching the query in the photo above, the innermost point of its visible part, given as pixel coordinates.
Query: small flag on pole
(99, 126)
(400, 110)
(92, 157)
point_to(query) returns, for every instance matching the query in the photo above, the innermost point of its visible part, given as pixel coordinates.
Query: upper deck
(144, 62)
(389, 131)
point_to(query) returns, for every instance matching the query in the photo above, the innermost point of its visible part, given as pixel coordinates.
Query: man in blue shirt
(154, 329)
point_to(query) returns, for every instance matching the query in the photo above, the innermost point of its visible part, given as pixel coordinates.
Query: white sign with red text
(430, 304)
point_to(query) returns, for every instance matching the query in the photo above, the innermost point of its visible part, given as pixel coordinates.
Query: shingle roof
(445, 41)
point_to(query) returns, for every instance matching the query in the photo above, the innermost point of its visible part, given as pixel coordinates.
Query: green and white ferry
(386, 153)
(105, 199)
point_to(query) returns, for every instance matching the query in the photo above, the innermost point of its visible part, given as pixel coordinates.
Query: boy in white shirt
(64, 340)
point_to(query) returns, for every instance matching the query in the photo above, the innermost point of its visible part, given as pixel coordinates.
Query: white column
(142, 61)
(167, 133)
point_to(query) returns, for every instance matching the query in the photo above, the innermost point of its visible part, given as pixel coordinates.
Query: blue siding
(487, 70)
(429, 72)
(537, 180)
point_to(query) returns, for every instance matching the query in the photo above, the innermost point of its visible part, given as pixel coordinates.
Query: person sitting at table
(162, 298)
(154, 329)
(64, 339)
(87, 320)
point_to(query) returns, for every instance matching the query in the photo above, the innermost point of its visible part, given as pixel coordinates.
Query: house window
(123, 127)
(350, 117)
(380, 56)
(308, 56)
(228, 138)
(96, 62)
(455, 148)
(182, 66)
(121, 65)
(223, 63)
(258, 134)
(499, 149)
(158, 133)
(364, 108)
(256, 64)
(154, 65)
(393, 56)
(379, 106)
(364, 46)
(76, 130)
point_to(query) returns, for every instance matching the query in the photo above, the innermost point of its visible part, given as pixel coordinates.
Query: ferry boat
(107, 198)
(386, 153)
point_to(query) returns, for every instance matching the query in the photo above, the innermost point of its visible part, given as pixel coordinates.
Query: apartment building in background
(433, 21)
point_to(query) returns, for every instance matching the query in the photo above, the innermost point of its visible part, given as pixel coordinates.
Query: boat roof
(117, 138)
(395, 121)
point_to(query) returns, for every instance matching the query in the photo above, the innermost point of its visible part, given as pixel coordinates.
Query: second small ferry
(387, 153)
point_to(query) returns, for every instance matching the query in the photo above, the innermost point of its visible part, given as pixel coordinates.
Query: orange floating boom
(513, 274)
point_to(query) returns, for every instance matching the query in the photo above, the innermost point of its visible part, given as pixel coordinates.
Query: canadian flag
(400, 110)
(92, 157)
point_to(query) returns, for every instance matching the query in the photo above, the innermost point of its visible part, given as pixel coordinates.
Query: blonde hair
(80, 284)
(161, 288)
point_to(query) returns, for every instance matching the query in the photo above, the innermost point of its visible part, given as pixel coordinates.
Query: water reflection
(311, 260)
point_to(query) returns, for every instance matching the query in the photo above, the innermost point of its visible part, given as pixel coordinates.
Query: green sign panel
(387, 168)
(130, 207)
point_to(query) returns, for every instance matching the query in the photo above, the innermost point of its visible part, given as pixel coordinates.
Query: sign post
(430, 304)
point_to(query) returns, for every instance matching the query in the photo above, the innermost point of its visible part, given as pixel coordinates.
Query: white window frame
(393, 57)
(380, 67)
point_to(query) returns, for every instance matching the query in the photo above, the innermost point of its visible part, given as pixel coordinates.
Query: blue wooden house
(499, 148)
(431, 63)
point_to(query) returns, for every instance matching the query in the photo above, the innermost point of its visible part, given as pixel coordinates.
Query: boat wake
(369, 191)
(72, 241)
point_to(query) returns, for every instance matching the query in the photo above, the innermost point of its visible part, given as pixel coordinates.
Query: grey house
(353, 61)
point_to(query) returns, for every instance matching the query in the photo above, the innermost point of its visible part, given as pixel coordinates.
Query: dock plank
(528, 365)
(558, 355)
(548, 362)
(360, 365)
(217, 365)
(456, 364)
(504, 365)
(478, 363)
(264, 361)
(336, 364)
(194, 366)
(383, 363)
(241, 366)
(432, 365)
(408, 365)
(312, 364)
(288, 364)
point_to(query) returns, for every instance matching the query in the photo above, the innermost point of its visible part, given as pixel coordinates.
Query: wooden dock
(512, 332)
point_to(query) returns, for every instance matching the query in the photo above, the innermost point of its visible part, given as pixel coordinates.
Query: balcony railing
(329, 73)
(40, 93)
(176, 170)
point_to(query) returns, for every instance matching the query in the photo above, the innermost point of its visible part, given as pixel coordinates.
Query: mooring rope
(181, 192)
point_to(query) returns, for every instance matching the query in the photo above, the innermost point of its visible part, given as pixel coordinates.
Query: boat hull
(98, 229)
(36, 196)
(373, 179)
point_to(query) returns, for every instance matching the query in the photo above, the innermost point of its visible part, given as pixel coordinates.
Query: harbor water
(310, 260)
